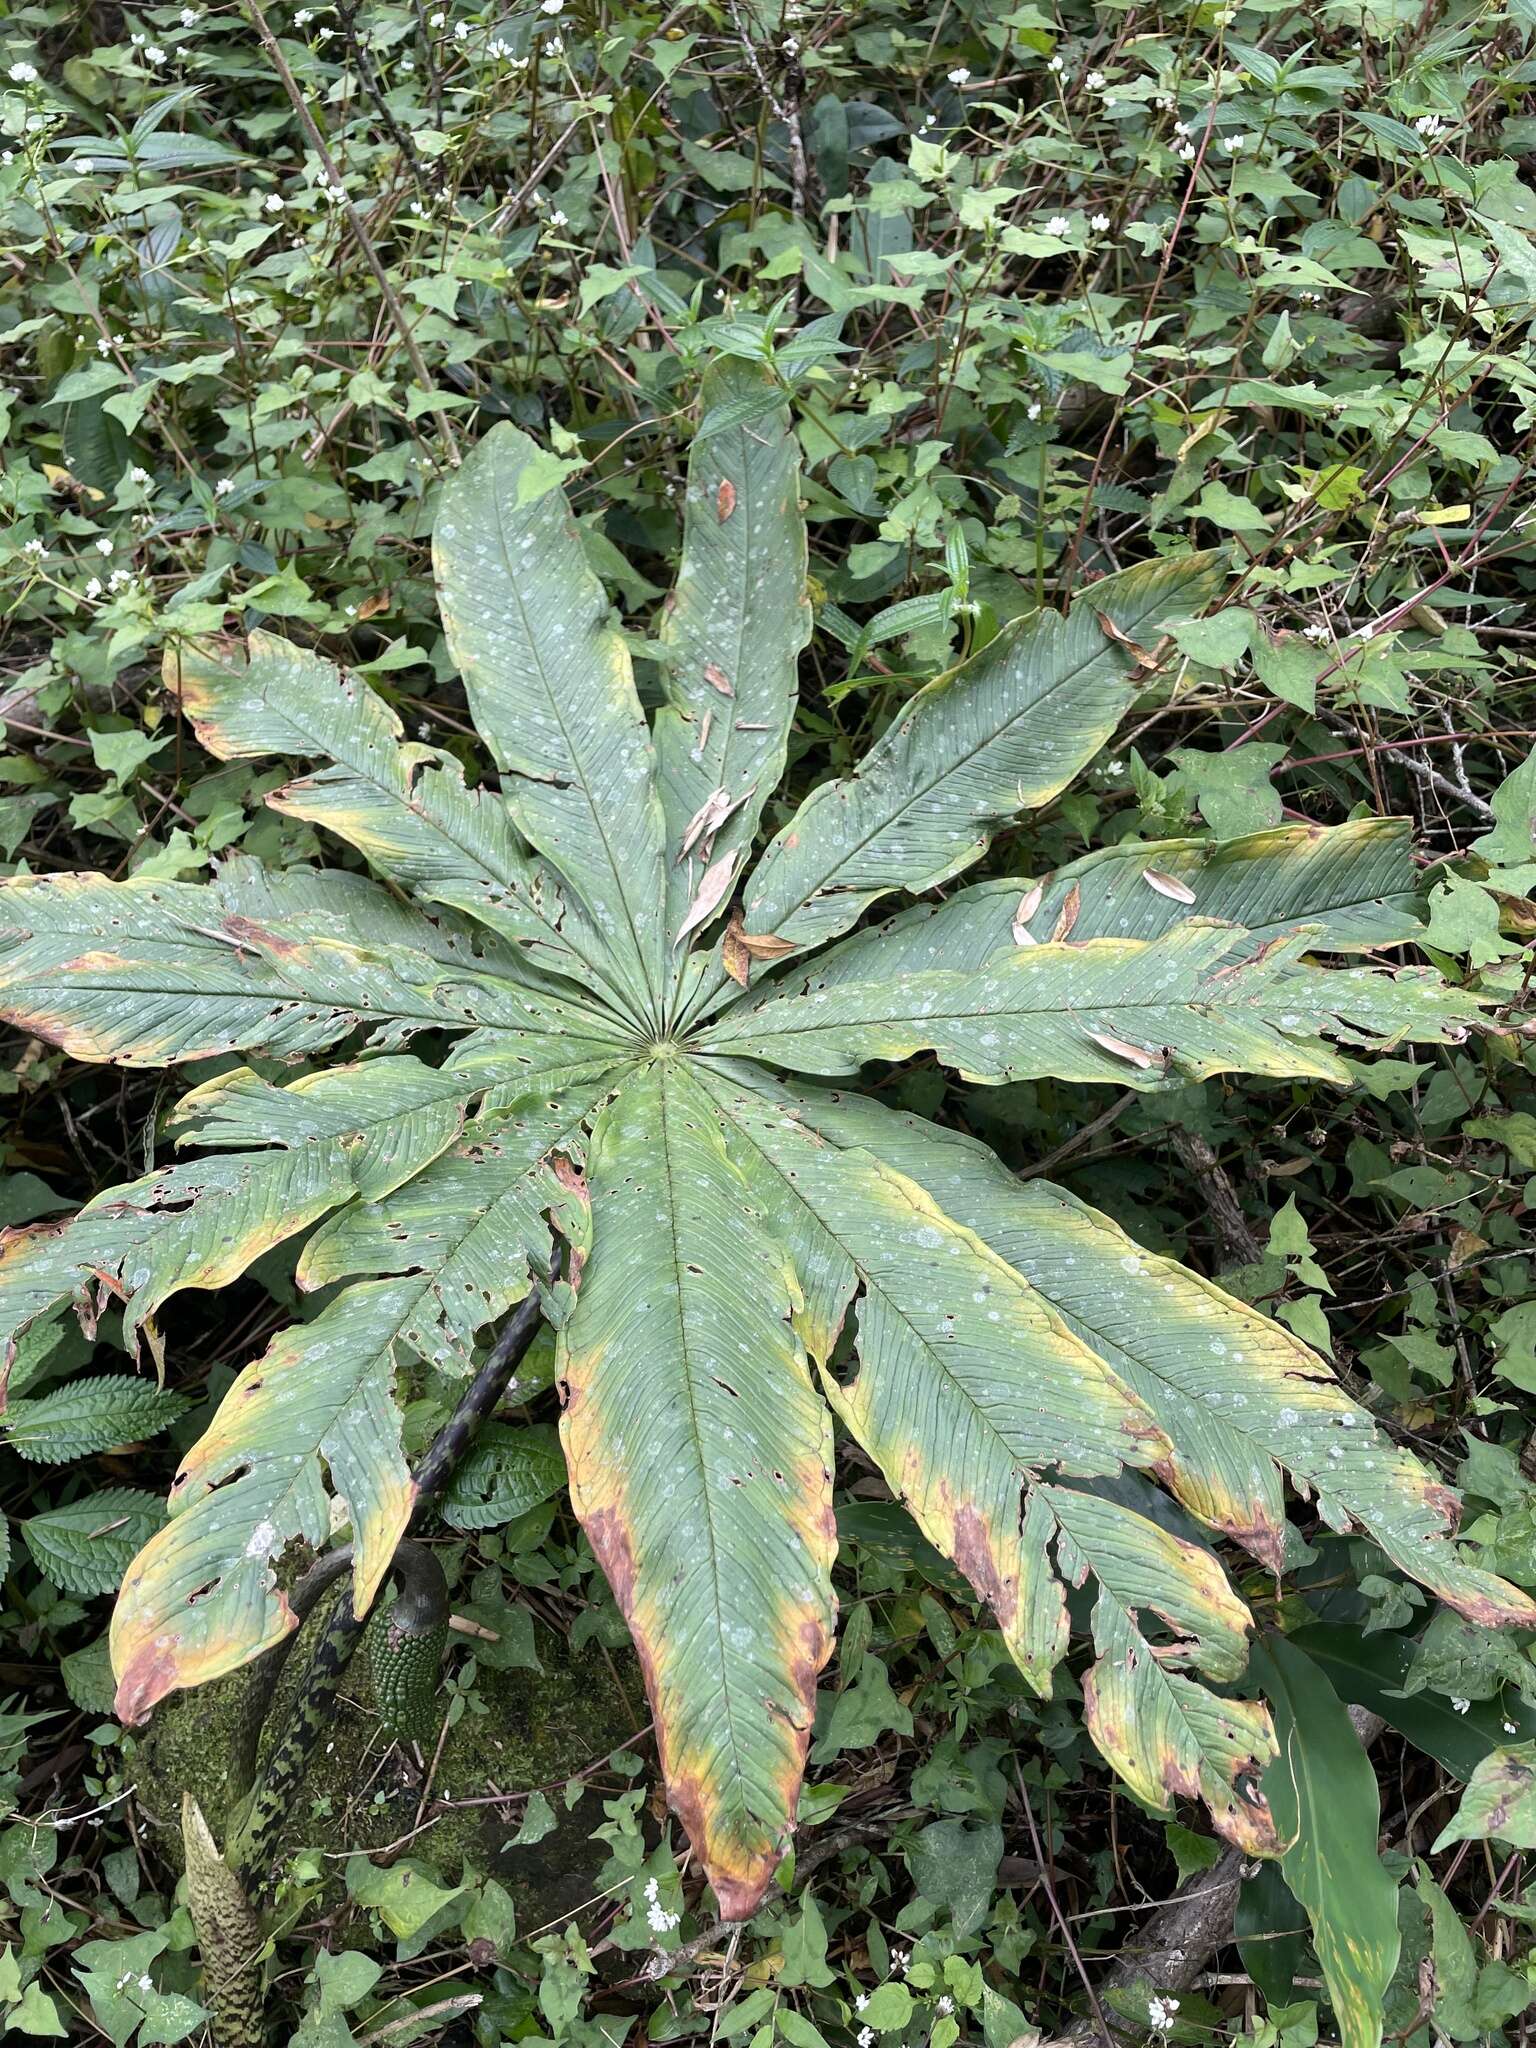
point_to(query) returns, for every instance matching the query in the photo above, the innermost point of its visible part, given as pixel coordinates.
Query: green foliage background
(1053, 291)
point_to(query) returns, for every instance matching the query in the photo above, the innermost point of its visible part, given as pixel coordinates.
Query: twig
(1100, 2025)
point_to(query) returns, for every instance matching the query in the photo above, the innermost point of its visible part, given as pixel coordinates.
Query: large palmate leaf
(701, 1468)
(570, 989)
(549, 681)
(1202, 999)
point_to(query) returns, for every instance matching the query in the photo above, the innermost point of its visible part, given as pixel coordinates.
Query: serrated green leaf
(100, 1414)
(733, 630)
(86, 1546)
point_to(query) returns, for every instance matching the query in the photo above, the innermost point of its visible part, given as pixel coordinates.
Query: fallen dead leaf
(714, 887)
(1168, 885)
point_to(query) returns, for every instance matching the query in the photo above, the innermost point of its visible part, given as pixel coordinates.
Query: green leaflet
(1323, 1792)
(405, 807)
(967, 1389)
(1354, 886)
(150, 973)
(468, 1224)
(734, 628)
(1200, 1000)
(1240, 1398)
(1001, 734)
(701, 1467)
(549, 683)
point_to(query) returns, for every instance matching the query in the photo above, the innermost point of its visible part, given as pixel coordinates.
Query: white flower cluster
(1160, 2012)
(657, 1918)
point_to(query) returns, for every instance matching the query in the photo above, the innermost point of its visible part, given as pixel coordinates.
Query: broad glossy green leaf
(1240, 1398)
(1353, 885)
(733, 628)
(549, 682)
(1003, 733)
(404, 806)
(700, 1460)
(1202, 999)
(1372, 1671)
(1323, 1793)
(1500, 1800)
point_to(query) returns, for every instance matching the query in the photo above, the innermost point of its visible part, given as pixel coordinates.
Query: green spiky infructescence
(648, 1017)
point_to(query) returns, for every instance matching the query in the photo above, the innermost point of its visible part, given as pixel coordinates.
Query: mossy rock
(532, 1729)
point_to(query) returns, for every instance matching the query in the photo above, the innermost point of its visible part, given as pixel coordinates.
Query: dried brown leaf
(1029, 903)
(717, 679)
(1062, 929)
(1168, 885)
(714, 887)
(1124, 1050)
(725, 500)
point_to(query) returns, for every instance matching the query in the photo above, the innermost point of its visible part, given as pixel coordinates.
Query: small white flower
(790, 46)
(1099, 223)
(274, 202)
(23, 74)
(861, 1999)
(1058, 225)
(118, 577)
(551, 6)
(1160, 2012)
(35, 548)
(946, 2006)
(1181, 127)
(138, 476)
(93, 588)
(461, 31)
(959, 76)
(1033, 411)
(1186, 154)
(498, 49)
(1057, 64)
(1426, 124)
(900, 1957)
(324, 33)
(223, 487)
(1510, 1728)
(190, 17)
(153, 54)
(866, 2037)
(1095, 81)
(555, 47)
(103, 346)
(104, 546)
(1314, 632)
(418, 209)
(436, 20)
(1461, 1706)
(146, 1983)
(303, 16)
